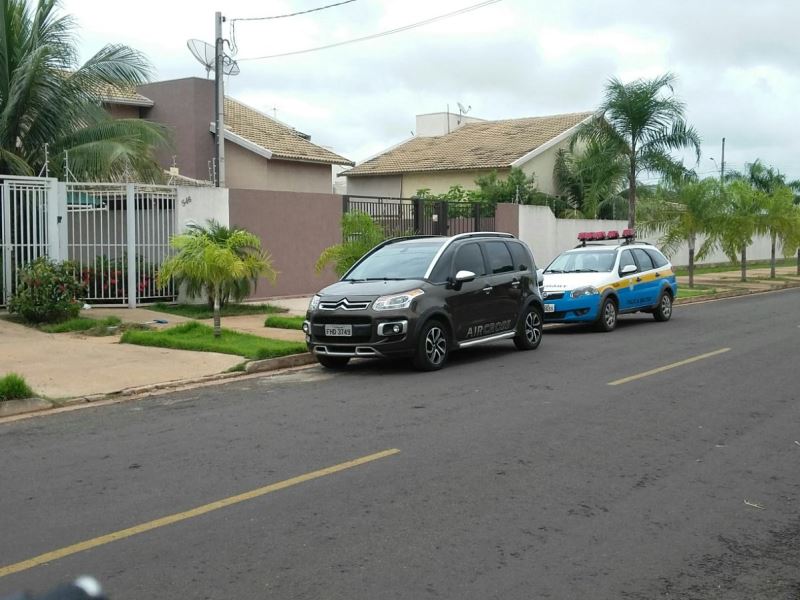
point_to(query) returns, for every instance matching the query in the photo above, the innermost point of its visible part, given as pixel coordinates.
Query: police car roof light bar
(629, 235)
(613, 235)
(599, 236)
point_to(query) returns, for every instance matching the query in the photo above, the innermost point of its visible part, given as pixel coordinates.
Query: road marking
(668, 367)
(189, 514)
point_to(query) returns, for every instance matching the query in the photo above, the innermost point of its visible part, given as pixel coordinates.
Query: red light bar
(583, 236)
(599, 235)
(612, 235)
(628, 233)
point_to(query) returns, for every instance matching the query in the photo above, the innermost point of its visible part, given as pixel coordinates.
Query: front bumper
(373, 334)
(568, 310)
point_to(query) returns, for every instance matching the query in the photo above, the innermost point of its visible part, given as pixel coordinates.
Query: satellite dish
(463, 110)
(206, 56)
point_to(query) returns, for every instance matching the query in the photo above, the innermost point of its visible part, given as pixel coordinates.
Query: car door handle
(515, 283)
(638, 279)
(487, 289)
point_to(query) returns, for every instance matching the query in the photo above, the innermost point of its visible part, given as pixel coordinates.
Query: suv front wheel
(433, 346)
(529, 335)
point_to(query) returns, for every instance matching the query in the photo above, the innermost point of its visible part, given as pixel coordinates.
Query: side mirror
(628, 269)
(464, 276)
(539, 274)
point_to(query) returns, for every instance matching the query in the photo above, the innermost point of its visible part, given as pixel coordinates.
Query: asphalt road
(519, 475)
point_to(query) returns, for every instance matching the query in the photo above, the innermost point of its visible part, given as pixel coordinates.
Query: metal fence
(118, 235)
(27, 216)
(409, 216)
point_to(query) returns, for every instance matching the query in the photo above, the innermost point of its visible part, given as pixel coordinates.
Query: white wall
(385, 186)
(548, 237)
(199, 204)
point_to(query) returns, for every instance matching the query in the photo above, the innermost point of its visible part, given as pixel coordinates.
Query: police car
(597, 281)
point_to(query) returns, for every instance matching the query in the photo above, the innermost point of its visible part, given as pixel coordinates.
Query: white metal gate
(28, 226)
(119, 234)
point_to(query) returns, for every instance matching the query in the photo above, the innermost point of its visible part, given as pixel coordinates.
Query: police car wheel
(664, 310)
(608, 315)
(333, 362)
(529, 335)
(432, 347)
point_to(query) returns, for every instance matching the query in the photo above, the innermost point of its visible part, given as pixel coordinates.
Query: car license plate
(338, 330)
(549, 308)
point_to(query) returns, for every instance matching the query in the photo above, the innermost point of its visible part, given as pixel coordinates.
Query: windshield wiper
(553, 271)
(584, 271)
(384, 279)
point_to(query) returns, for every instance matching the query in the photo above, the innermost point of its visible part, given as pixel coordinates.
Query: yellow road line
(182, 516)
(668, 367)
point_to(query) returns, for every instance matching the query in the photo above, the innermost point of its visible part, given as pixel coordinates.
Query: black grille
(554, 295)
(362, 329)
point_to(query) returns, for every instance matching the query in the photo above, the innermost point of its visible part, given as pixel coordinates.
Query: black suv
(423, 296)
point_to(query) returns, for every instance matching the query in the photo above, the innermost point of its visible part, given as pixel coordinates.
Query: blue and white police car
(597, 281)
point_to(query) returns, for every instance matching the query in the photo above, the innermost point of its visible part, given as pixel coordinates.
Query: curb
(282, 362)
(732, 294)
(9, 408)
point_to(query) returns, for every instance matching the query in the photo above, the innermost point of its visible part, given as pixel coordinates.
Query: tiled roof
(112, 94)
(284, 142)
(482, 145)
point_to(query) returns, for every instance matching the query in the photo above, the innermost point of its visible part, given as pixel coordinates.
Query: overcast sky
(736, 61)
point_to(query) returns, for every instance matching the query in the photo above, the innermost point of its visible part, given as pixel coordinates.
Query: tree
(742, 208)
(51, 104)
(778, 218)
(683, 211)
(220, 262)
(237, 289)
(360, 234)
(591, 179)
(642, 124)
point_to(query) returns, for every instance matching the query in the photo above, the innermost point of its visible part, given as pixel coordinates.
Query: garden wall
(548, 236)
(294, 228)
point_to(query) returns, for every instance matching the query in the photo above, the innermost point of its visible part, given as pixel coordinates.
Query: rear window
(644, 260)
(658, 259)
(499, 257)
(522, 260)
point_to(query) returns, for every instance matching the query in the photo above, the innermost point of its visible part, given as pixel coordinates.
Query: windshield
(397, 261)
(600, 261)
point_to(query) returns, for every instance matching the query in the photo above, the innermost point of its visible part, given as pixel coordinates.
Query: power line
(381, 34)
(234, 45)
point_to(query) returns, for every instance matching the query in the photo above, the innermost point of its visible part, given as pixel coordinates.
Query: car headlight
(396, 301)
(585, 291)
(314, 303)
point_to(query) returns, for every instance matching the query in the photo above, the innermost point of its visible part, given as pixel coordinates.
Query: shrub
(48, 292)
(14, 387)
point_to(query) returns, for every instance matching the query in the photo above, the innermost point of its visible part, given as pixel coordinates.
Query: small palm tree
(778, 219)
(642, 124)
(50, 105)
(743, 206)
(218, 262)
(685, 211)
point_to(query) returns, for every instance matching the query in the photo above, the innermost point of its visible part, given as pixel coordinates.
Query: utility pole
(219, 79)
(722, 164)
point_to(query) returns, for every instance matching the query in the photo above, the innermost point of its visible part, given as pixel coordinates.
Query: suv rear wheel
(433, 346)
(529, 335)
(333, 362)
(664, 309)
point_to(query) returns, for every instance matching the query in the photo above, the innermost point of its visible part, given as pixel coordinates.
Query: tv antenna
(462, 111)
(206, 56)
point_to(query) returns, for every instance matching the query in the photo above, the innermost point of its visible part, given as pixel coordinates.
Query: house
(450, 149)
(261, 153)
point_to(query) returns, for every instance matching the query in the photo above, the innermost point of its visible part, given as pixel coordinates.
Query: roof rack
(481, 234)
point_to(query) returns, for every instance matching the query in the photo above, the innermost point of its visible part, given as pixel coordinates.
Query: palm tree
(592, 178)
(219, 262)
(778, 218)
(743, 206)
(235, 290)
(642, 124)
(52, 106)
(684, 212)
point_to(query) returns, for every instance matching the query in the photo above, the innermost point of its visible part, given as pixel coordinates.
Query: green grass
(85, 324)
(201, 311)
(736, 266)
(14, 387)
(284, 322)
(698, 290)
(199, 337)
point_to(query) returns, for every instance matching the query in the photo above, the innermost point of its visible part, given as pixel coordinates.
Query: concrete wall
(548, 236)
(440, 182)
(186, 106)
(199, 204)
(295, 228)
(122, 111)
(541, 167)
(390, 186)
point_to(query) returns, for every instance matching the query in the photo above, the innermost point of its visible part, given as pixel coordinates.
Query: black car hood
(373, 289)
